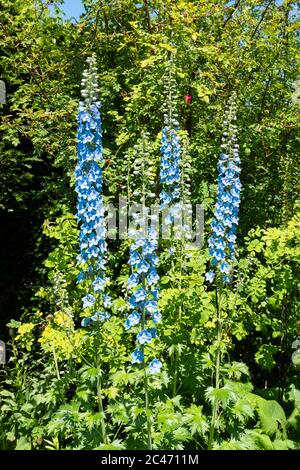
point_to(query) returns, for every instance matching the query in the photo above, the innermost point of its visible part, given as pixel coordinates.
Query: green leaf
(272, 416)
(264, 442)
(23, 444)
(264, 356)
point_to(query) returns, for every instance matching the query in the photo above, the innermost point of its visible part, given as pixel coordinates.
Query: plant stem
(149, 427)
(218, 364)
(176, 353)
(55, 361)
(100, 405)
(99, 390)
(147, 408)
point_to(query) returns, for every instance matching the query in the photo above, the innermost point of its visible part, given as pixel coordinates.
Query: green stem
(99, 389)
(149, 426)
(178, 323)
(55, 361)
(100, 405)
(147, 408)
(218, 364)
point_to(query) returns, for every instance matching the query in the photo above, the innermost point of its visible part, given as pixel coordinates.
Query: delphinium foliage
(90, 214)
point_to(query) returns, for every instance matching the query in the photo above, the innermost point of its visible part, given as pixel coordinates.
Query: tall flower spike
(170, 150)
(90, 204)
(60, 291)
(143, 261)
(224, 224)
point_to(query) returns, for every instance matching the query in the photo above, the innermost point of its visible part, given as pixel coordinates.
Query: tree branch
(234, 8)
(261, 20)
(148, 18)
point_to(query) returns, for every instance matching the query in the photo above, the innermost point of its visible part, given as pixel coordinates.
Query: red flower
(188, 99)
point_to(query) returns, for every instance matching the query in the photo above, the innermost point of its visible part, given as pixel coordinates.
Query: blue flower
(155, 365)
(100, 316)
(133, 280)
(151, 306)
(224, 268)
(140, 294)
(153, 259)
(107, 301)
(135, 258)
(88, 301)
(143, 267)
(132, 301)
(132, 319)
(86, 322)
(156, 317)
(144, 337)
(153, 332)
(137, 356)
(104, 316)
(170, 166)
(152, 277)
(149, 247)
(155, 294)
(99, 283)
(80, 277)
(210, 276)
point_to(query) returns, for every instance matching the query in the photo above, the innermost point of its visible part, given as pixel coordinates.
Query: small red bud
(188, 99)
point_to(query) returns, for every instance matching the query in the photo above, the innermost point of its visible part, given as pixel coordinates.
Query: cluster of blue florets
(143, 302)
(170, 162)
(170, 170)
(90, 204)
(224, 224)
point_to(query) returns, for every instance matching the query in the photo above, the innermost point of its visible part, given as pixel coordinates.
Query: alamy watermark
(181, 221)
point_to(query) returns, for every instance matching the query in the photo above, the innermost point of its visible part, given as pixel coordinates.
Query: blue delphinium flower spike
(90, 203)
(224, 224)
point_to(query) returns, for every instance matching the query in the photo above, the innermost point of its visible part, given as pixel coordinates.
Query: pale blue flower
(154, 366)
(144, 337)
(140, 294)
(135, 258)
(100, 316)
(88, 301)
(156, 317)
(209, 276)
(137, 356)
(151, 306)
(133, 280)
(100, 283)
(143, 267)
(152, 277)
(132, 319)
(107, 302)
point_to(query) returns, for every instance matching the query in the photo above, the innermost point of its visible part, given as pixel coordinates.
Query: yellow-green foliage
(61, 336)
